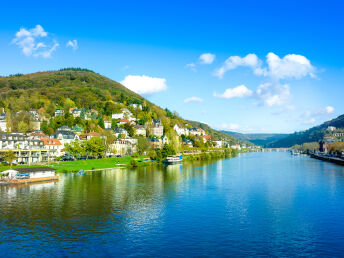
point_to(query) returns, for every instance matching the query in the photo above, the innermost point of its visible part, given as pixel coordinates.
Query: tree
(337, 147)
(167, 150)
(76, 148)
(8, 156)
(9, 124)
(95, 147)
(23, 127)
(109, 139)
(130, 129)
(101, 122)
(143, 145)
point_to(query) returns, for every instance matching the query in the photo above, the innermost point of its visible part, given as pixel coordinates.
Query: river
(270, 204)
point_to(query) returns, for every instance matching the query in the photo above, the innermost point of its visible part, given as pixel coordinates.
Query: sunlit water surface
(270, 204)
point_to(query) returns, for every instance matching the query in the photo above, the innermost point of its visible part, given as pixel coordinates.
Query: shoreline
(328, 159)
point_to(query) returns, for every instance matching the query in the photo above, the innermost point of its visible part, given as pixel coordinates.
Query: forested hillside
(313, 134)
(82, 88)
(260, 139)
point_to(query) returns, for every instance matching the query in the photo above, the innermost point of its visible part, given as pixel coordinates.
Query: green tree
(101, 122)
(23, 127)
(76, 148)
(130, 129)
(8, 156)
(167, 150)
(95, 147)
(143, 145)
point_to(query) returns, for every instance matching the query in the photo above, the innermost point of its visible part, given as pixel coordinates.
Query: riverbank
(118, 162)
(335, 160)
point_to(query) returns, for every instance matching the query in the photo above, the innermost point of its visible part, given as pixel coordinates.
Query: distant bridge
(275, 149)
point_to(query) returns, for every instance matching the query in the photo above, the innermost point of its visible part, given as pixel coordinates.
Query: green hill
(260, 139)
(313, 134)
(82, 88)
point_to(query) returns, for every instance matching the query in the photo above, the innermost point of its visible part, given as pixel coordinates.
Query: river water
(270, 204)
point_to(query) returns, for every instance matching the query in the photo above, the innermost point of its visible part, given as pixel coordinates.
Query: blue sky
(247, 66)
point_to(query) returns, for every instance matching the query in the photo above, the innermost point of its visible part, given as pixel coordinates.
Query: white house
(181, 130)
(53, 145)
(59, 112)
(107, 124)
(140, 130)
(218, 144)
(117, 116)
(165, 140)
(3, 125)
(124, 147)
(136, 106)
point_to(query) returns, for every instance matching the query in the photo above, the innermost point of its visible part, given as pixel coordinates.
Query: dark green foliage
(313, 134)
(101, 122)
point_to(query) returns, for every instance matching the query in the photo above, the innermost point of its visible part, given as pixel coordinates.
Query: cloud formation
(240, 91)
(290, 66)
(35, 42)
(193, 99)
(310, 117)
(73, 44)
(232, 62)
(271, 92)
(145, 85)
(191, 66)
(207, 58)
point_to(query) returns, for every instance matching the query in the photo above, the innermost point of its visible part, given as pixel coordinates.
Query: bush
(134, 163)
(135, 155)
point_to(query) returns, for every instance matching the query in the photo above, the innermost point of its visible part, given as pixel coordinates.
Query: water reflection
(259, 203)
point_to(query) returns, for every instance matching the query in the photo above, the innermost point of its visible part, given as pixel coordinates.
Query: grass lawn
(68, 166)
(76, 165)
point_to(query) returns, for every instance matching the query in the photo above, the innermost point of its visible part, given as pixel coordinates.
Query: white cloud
(193, 99)
(207, 58)
(240, 91)
(191, 66)
(230, 126)
(273, 94)
(73, 44)
(329, 110)
(251, 60)
(238, 128)
(310, 117)
(144, 84)
(290, 66)
(34, 42)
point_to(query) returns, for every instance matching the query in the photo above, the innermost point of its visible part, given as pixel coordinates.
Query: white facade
(3, 125)
(107, 124)
(181, 130)
(165, 140)
(117, 116)
(124, 146)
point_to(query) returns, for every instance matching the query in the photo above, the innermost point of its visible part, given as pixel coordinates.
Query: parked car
(67, 158)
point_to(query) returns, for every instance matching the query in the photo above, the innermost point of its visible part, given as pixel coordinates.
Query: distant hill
(311, 135)
(46, 91)
(260, 139)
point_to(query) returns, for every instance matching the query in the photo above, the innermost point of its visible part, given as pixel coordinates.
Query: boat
(28, 175)
(81, 172)
(294, 152)
(173, 159)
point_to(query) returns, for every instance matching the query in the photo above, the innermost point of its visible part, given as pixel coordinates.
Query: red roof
(49, 141)
(207, 137)
(95, 134)
(124, 121)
